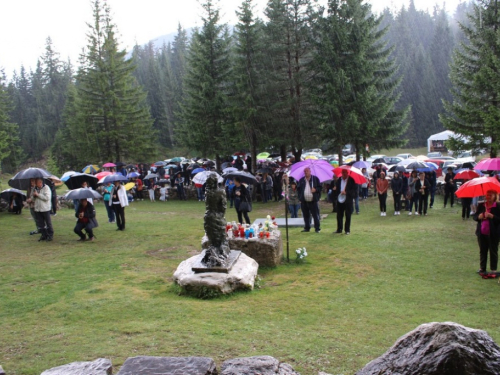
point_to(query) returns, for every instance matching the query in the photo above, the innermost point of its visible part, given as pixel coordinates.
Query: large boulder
(145, 365)
(439, 349)
(240, 277)
(261, 365)
(100, 366)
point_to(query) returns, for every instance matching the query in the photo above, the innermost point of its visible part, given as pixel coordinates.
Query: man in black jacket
(346, 187)
(309, 190)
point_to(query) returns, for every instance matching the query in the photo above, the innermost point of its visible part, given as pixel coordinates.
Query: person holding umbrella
(31, 204)
(488, 231)
(241, 194)
(108, 190)
(423, 187)
(86, 220)
(42, 197)
(347, 190)
(309, 188)
(16, 203)
(449, 187)
(179, 181)
(397, 191)
(119, 201)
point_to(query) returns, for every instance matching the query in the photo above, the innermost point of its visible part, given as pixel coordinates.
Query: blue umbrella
(160, 163)
(90, 169)
(198, 170)
(112, 178)
(65, 177)
(362, 164)
(133, 175)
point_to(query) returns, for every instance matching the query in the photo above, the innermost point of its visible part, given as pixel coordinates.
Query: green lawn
(65, 301)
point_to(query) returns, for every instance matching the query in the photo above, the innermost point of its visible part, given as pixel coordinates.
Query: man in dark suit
(346, 187)
(309, 190)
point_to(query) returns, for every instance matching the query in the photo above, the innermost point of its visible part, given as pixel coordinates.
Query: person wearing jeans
(413, 192)
(293, 200)
(108, 189)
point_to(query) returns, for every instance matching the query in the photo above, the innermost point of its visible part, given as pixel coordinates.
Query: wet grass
(66, 301)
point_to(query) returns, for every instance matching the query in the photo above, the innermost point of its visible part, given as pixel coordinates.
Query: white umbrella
(229, 170)
(201, 178)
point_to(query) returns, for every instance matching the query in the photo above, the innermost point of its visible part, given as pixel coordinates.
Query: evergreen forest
(303, 76)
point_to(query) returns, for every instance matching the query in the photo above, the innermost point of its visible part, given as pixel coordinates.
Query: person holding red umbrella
(488, 231)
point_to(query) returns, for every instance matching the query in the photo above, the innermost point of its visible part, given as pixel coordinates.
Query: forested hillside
(300, 77)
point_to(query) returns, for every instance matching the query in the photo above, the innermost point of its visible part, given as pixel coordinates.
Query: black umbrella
(417, 165)
(397, 168)
(245, 177)
(76, 180)
(112, 178)
(82, 193)
(209, 163)
(22, 179)
(151, 175)
(120, 164)
(468, 165)
(265, 170)
(6, 194)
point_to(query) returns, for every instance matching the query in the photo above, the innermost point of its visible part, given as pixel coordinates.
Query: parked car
(466, 157)
(348, 149)
(440, 164)
(434, 155)
(389, 160)
(373, 157)
(405, 156)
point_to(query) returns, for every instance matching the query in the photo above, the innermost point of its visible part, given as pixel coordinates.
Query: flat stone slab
(145, 365)
(298, 222)
(231, 260)
(100, 366)
(260, 365)
(240, 277)
(267, 252)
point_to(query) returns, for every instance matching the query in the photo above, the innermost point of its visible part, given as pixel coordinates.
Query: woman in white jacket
(119, 201)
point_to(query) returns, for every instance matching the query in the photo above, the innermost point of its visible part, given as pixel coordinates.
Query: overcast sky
(25, 24)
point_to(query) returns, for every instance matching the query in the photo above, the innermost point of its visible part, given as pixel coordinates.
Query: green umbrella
(177, 159)
(263, 155)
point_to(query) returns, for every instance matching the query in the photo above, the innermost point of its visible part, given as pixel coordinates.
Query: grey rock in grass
(439, 349)
(145, 365)
(241, 276)
(261, 365)
(323, 373)
(100, 366)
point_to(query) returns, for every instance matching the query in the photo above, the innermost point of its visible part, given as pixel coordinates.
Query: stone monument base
(230, 261)
(240, 277)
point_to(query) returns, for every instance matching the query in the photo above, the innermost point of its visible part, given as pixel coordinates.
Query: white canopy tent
(436, 141)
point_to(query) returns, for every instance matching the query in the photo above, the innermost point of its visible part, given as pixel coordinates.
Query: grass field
(65, 301)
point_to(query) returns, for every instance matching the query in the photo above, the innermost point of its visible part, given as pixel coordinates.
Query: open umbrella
(488, 164)
(419, 166)
(177, 159)
(198, 170)
(264, 170)
(353, 172)
(362, 164)
(76, 180)
(129, 185)
(245, 177)
(201, 178)
(263, 155)
(226, 164)
(55, 180)
(112, 178)
(466, 174)
(103, 174)
(6, 194)
(478, 187)
(151, 175)
(91, 168)
(160, 163)
(22, 179)
(397, 168)
(319, 168)
(229, 169)
(66, 175)
(109, 165)
(120, 164)
(209, 163)
(133, 175)
(82, 193)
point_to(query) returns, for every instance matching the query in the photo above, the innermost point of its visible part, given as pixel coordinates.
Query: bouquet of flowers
(301, 254)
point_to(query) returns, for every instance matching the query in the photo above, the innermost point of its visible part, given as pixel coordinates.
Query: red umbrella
(466, 175)
(488, 164)
(103, 174)
(353, 172)
(478, 187)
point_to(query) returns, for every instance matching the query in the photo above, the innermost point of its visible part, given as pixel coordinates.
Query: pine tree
(475, 110)
(248, 104)
(204, 110)
(354, 87)
(9, 132)
(111, 107)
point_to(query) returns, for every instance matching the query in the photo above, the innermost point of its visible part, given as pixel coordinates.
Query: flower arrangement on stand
(301, 255)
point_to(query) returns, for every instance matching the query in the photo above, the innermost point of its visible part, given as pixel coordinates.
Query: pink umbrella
(353, 172)
(103, 174)
(488, 164)
(109, 165)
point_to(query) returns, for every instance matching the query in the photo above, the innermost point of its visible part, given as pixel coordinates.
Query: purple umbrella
(319, 168)
(362, 164)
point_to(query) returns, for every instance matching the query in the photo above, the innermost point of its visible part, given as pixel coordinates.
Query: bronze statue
(215, 224)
